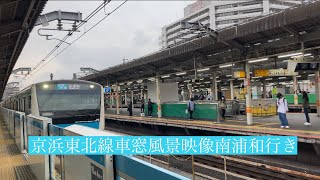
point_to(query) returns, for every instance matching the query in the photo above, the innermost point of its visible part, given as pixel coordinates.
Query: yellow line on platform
(197, 122)
(229, 120)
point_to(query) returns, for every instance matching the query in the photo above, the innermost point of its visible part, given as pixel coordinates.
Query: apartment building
(219, 14)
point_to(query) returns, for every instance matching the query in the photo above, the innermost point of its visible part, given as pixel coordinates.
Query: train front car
(68, 101)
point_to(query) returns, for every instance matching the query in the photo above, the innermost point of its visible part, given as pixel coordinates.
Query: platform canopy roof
(17, 19)
(268, 37)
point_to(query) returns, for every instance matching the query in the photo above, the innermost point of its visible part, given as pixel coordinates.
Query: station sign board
(239, 74)
(274, 72)
(262, 72)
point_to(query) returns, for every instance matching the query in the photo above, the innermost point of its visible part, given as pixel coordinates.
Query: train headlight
(45, 86)
(92, 86)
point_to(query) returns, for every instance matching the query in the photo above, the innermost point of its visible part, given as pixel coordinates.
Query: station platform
(238, 125)
(13, 166)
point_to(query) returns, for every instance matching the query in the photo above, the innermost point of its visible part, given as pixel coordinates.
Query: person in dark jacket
(149, 108)
(130, 108)
(306, 107)
(142, 105)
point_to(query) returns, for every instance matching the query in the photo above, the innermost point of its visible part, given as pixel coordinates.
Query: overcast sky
(131, 32)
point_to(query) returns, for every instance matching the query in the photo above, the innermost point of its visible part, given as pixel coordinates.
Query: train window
(66, 99)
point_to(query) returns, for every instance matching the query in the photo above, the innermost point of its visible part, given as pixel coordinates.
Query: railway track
(234, 167)
(227, 167)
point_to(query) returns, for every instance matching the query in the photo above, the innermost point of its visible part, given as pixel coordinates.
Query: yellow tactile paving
(12, 164)
(256, 126)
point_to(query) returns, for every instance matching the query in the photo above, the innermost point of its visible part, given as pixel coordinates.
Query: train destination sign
(67, 86)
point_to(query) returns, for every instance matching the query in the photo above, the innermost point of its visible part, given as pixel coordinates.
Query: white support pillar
(145, 95)
(158, 96)
(141, 94)
(120, 91)
(190, 90)
(117, 99)
(125, 98)
(317, 83)
(214, 88)
(295, 90)
(231, 89)
(248, 95)
(264, 89)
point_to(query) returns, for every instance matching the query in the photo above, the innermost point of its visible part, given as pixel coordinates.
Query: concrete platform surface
(238, 125)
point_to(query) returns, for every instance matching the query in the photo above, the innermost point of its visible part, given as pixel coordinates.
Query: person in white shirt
(191, 107)
(209, 97)
(282, 110)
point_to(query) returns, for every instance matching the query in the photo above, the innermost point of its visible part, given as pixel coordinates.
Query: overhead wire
(107, 15)
(92, 14)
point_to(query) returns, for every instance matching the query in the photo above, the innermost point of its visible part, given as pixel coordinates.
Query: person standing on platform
(105, 103)
(306, 107)
(209, 97)
(149, 108)
(130, 108)
(191, 106)
(201, 97)
(235, 106)
(223, 107)
(142, 105)
(282, 110)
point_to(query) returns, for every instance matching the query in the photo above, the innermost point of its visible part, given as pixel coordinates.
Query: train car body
(64, 101)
